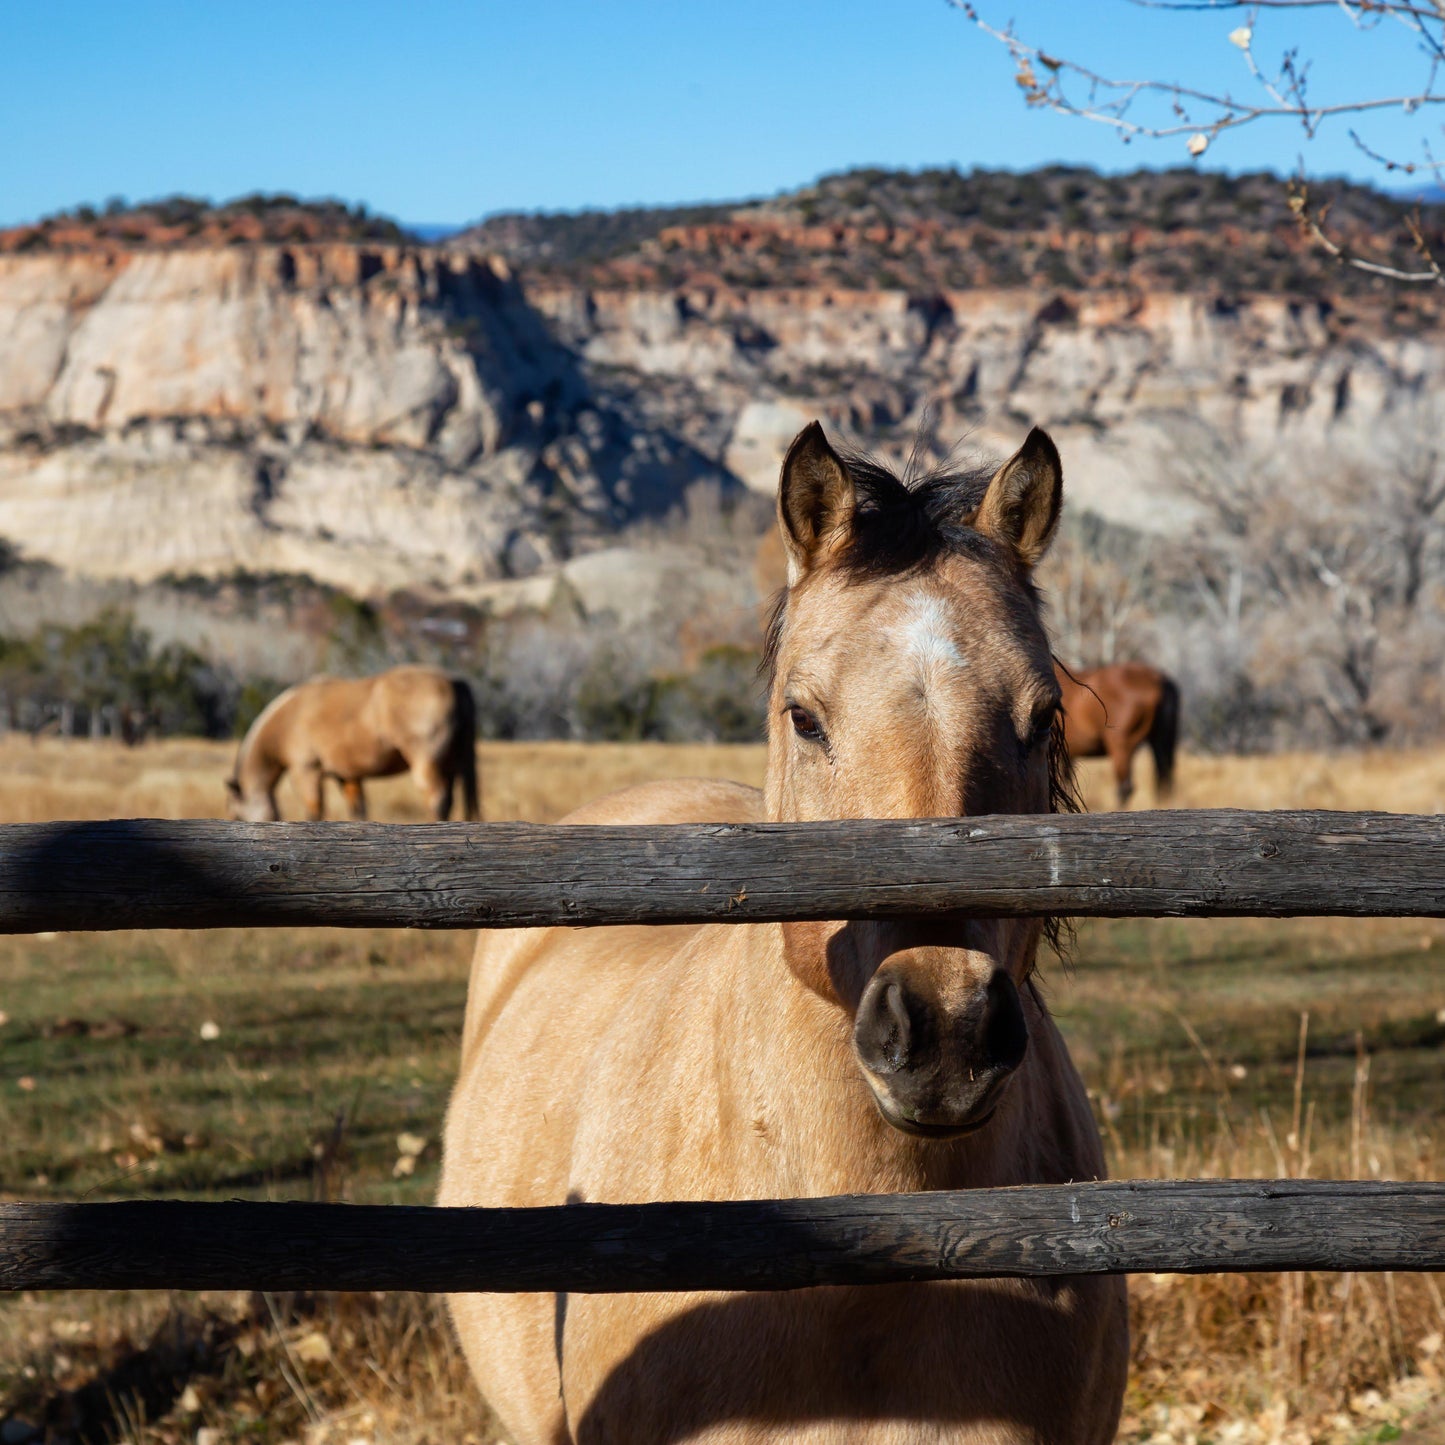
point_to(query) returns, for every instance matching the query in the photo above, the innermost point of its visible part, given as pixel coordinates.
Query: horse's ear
(1021, 507)
(815, 501)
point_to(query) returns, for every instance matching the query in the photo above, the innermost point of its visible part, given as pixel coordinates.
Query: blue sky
(445, 110)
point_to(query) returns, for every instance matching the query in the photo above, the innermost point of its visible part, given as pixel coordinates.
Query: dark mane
(1064, 797)
(910, 523)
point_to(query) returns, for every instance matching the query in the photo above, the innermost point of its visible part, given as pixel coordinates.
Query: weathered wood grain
(148, 873)
(1191, 1226)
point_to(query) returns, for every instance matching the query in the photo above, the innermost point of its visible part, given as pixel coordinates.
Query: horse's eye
(1043, 725)
(805, 724)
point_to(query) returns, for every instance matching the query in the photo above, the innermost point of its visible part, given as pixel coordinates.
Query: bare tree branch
(1154, 109)
(1313, 224)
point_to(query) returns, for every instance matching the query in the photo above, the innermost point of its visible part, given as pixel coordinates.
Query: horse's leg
(1122, 757)
(355, 799)
(309, 781)
(442, 800)
(435, 783)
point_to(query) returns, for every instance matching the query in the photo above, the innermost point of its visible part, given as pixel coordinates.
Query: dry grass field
(541, 781)
(316, 1064)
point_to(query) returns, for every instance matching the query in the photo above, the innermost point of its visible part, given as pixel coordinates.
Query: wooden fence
(151, 874)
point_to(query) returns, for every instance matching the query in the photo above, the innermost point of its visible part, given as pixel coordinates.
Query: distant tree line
(1304, 605)
(107, 677)
(267, 217)
(1059, 226)
(536, 676)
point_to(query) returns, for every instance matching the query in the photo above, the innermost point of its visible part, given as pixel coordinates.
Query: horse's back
(359, 727)
(1138, 679)
(1111, 705)
(413, 705)
(674, 800)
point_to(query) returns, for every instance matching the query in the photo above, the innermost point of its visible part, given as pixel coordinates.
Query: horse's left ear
(815, 501)
(1021, 507)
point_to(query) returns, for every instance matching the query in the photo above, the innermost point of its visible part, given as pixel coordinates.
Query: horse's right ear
(1021, 507)
(815, 501)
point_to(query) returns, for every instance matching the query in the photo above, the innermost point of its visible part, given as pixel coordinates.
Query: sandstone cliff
(1114, 375)
(375, 417)
(384, 415)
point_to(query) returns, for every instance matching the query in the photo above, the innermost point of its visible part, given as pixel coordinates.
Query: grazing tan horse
(410, 719)
(1113, 711)
(910, 678)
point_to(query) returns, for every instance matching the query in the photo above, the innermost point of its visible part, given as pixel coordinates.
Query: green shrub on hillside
(111, 664)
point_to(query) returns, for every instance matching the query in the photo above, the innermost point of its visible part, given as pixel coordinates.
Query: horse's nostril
(1006, 1038)
(885, 1031)
(900, 1027)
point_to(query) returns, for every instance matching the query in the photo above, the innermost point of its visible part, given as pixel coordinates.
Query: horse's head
(911, 677)
(253, 807)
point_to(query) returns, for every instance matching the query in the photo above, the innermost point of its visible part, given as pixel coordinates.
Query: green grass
(330, 1045)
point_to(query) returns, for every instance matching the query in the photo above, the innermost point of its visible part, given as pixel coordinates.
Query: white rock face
(254, 334)
(375, 418)
(1112, 376)
(390, 417)
(760, 439)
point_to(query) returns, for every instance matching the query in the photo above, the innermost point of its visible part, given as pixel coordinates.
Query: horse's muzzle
(938, 1058)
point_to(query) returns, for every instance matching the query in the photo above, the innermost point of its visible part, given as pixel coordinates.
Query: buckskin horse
(910, 678)
(1113, 711)
(409, 719)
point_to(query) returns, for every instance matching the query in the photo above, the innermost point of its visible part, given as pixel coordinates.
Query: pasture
(316, 1064)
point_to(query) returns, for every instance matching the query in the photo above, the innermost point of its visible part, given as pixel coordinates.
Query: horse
(408, 719)
(1113, 711)
(909, 677)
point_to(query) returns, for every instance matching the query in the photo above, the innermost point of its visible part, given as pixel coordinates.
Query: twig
(1229, 112)
(290, 1372)
(1202, 116)
(1313, 227)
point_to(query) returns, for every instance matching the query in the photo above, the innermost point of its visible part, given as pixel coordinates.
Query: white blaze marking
(924, 633)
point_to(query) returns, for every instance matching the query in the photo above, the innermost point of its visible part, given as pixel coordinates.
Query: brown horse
(410, 719)
(910, 678)
(1113, 711)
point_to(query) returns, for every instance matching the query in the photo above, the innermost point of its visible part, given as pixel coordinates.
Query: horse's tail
(464, 748)
(1164, 733)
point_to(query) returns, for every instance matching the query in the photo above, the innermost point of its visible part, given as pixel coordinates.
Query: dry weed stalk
(1292, 1357)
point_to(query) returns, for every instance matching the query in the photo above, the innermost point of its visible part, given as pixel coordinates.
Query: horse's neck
(794, 1072)
(260, 763)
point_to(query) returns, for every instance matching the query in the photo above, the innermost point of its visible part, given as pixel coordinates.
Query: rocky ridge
(382, 415)
(375, 417)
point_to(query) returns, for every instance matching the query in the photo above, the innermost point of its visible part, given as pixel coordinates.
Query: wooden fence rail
(148, 873)
(154, 874)
(1191, 1226)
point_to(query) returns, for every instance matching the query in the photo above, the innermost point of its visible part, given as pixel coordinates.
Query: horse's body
(779, 1060)
(1113, 711)
(409, 719)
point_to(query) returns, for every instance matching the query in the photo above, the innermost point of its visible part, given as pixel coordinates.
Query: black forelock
(903, 524)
